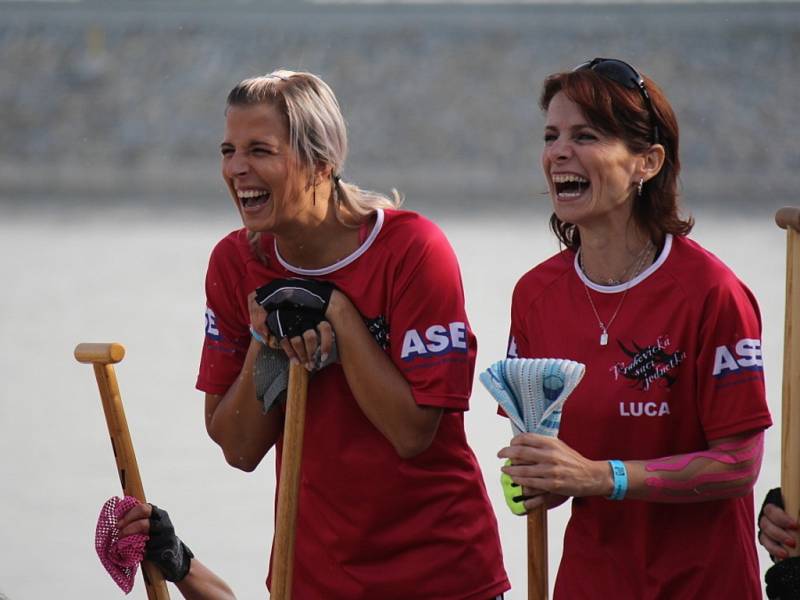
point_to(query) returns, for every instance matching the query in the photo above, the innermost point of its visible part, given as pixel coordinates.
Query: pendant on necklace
(604, 338)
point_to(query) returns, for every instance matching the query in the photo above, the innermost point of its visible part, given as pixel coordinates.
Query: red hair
(622, 113)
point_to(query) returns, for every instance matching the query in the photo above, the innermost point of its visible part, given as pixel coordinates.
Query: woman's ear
(322, 172)
(652, 161)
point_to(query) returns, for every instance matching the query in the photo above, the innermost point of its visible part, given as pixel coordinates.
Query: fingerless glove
(165, 549)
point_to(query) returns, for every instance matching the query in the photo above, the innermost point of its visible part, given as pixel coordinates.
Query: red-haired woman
(661, 443)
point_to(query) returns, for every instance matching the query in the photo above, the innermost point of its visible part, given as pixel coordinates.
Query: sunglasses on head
(622, 73)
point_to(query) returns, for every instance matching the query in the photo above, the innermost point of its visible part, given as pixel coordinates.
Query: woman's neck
(319, 243)
(612, 258)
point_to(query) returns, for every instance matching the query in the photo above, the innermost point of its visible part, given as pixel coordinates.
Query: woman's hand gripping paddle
(103, 357)
(532, 392)
(291, 456)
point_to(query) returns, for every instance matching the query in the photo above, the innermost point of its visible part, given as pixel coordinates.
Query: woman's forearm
(728, 469)
(236, 421)
(203, 584)
(380, 389)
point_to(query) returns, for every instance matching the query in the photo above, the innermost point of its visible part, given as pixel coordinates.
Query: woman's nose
(236, 165)
(559, 150)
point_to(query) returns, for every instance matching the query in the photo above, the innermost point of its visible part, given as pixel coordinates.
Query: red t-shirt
(370, 524)
(683, 366)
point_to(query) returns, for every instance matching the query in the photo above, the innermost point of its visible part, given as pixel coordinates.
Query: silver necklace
(636, 268)
(629, 273)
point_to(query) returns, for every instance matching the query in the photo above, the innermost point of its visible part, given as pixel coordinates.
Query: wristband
(257, 336)
(620, 474)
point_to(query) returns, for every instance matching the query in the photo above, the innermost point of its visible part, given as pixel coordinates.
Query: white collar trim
(340, 264)
(614, 289)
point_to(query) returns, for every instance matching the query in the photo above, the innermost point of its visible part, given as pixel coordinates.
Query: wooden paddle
(537, 554)
(291, 456)
(789, 219)
(103, 357)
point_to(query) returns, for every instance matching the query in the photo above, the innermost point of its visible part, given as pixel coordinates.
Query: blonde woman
(391, 502)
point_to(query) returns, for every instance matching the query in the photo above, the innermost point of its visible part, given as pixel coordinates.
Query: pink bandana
(120, 557)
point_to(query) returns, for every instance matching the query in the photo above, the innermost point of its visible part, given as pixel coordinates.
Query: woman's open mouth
(253, 199)
(568, 185)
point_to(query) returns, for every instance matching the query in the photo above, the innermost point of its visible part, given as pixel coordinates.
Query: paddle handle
(789, 219)
(102, 357)
(103, 354)
(289, 486)
(537, 554)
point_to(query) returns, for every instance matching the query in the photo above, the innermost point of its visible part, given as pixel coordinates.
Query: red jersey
(370, 524)
(683, 366)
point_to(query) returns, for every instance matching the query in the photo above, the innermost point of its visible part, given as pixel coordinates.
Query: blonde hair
(317, 131)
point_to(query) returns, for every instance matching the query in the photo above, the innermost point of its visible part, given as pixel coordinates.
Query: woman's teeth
(569, 185)
(251, 198)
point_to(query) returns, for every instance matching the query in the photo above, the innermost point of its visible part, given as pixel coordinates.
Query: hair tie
(336, 178)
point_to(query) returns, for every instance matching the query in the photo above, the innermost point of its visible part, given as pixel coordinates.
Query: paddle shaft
(291, 456)
(789, 219)
(102, 357)
(537, 554)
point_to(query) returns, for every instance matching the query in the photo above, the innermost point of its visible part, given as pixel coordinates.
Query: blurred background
(111, 201)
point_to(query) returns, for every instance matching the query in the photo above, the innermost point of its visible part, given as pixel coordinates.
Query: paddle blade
(532, 391)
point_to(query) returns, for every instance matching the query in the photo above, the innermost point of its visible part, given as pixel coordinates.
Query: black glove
(783, 579)
(292, 322)
(774, 496)
(297, 293)
(166, 549)
(294, 305)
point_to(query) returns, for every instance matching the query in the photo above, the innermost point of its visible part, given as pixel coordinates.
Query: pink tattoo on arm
(725, 471)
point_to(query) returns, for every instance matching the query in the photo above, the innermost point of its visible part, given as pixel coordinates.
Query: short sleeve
(432, 342)
(730, 367)
(518, 346)
(227, 332)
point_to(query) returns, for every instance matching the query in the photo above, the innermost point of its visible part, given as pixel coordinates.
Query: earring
(314, 198)
(639, 187)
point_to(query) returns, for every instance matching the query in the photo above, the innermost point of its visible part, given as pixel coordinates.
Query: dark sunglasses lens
(618, 71)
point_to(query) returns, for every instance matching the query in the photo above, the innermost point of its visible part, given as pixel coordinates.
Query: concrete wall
(106, 98)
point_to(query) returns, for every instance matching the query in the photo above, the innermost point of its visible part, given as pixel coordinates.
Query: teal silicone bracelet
(620, 474)
(257, 336)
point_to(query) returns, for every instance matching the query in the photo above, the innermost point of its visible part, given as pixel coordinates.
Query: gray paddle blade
(271, 373)
(271, 376)
(532, 391)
